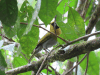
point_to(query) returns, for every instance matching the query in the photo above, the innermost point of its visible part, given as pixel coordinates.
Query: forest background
(21, 23)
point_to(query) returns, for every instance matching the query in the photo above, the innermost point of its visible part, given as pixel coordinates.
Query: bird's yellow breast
(58, 30)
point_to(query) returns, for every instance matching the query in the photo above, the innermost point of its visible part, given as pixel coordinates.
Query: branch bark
(93, 20)
(73, 51)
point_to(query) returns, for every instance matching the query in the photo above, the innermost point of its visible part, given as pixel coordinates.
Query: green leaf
(73, 29)
(89, 11)
(44, 71)
(98, 28)
(73, 3)
(87, 22)
(8, 16)
(63, 6)
(9, 31)
(48, 10)
(2, 72)
(93, 65)
(8, 12)
(61, 70)
(3, 64)
(19, 61)
(98, 55)
(67, 31)
(34, 16)
(33, 3)
(25, 14)
(50, 73)
(36, 22)
(76, 23)
(29, 41)
(21, 30)
(61, 25)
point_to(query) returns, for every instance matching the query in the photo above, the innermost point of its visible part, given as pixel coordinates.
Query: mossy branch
(72, 51)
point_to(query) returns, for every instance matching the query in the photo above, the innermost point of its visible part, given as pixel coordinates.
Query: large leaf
(8, 16)
(3, 64)
(93, 64)
(25, 14)
(8, 12)
(29, 41)
(34, 16)
(76, 22)
(68, 33)
(74, 28)
(63, 6)
(47, 10)
(19, 61)
(60, 24)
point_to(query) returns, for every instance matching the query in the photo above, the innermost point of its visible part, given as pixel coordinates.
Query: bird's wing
(44, 39)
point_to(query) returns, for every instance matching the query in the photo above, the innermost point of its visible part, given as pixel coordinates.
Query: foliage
(18, 18)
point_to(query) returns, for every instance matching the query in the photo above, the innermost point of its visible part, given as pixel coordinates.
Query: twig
(76, 66)
(47, 31)
(65, 73)
(47, 69)
(31, 58)
(56, 73)
(2, 35)
(38, 27)
(87, 63)
(93, 20)
(81, 38)
(86, 5)
(43, 63)
(7, 38)
(80, 7)
(1, 27)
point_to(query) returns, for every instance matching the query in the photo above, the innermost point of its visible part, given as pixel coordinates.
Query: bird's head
(55, 28)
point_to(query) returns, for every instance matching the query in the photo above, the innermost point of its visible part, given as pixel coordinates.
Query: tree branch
(77, 65)
(87, 63)
(7, 38)
(66, 73)
(86, 5)
(73, 51)
(93, 20)
(81, 38)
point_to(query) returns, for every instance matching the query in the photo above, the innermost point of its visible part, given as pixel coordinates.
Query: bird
(49, 39)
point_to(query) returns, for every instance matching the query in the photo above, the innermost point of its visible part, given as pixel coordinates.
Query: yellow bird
(47, 40)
